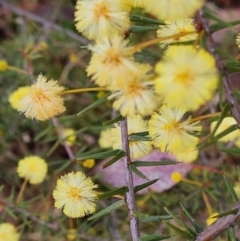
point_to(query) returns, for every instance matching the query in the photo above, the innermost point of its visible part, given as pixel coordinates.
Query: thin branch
(53, 226)
(63, 141)
(211, 45)
(43, 21)
(220, 225)
(130, 195)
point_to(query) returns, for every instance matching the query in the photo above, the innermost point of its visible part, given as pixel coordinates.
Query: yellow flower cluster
(176, 85)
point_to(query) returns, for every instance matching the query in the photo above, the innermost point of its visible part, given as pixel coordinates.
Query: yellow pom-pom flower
(238, 40)
(70, 136)
(135, 125)
(3, 65)
(72, 233)
(186, 78)
(8, 232)
(173, 9)
(176, 177)
(137, 94)
(43, 100)
(74, 193)
(179, 26)
(225, 124)
(105, 139)
(32, 168)
(89, 163)
(98, 18)
(110, 63)
(17, 95)
(171, 133)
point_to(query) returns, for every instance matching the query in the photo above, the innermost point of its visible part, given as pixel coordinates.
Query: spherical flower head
(181, 81)
(238, 40)
(225, 124)
(8, 232)
(136, 95)
(173, 9)
(188, 156)
(110, 63)
(89, 163)
(3, 65)
(180, 26)
(135, 125)
(171, 133)
(98, 18)
(70, 136)
(75, 194)
(104, 140)
(17, 96)
(176, 177)
(43, 100)
(72, 233)
(32, 168)
(211, 219)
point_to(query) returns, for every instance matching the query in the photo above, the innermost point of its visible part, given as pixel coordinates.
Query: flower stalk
(130, 195)
(20, 194)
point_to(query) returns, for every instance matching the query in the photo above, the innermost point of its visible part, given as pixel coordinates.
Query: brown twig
(211, 46)
(63, 141)
(220, 225)
(43, 21)
(130, 195)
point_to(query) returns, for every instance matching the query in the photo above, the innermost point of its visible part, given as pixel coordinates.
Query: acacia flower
(98, 18)
(176, 177)
(8, 232)
(17, 95)
(170, 132)
(70, 136)
(137, 94)
(43, 100)
(179, 26)
(173, 9)
(3, 65)
(186, 77)
(88, 163)
(110, 63)
(135, 3)
(188, 156)
(32, 168)
(135, 125)
(238, 40)
(74, 193)
(224, 125)
(104, 140)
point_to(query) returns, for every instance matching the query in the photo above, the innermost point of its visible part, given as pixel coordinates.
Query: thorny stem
(211, 46)
(130, 195)
(20, 194)
(140, 46)
(220, 225)
(82, 90)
